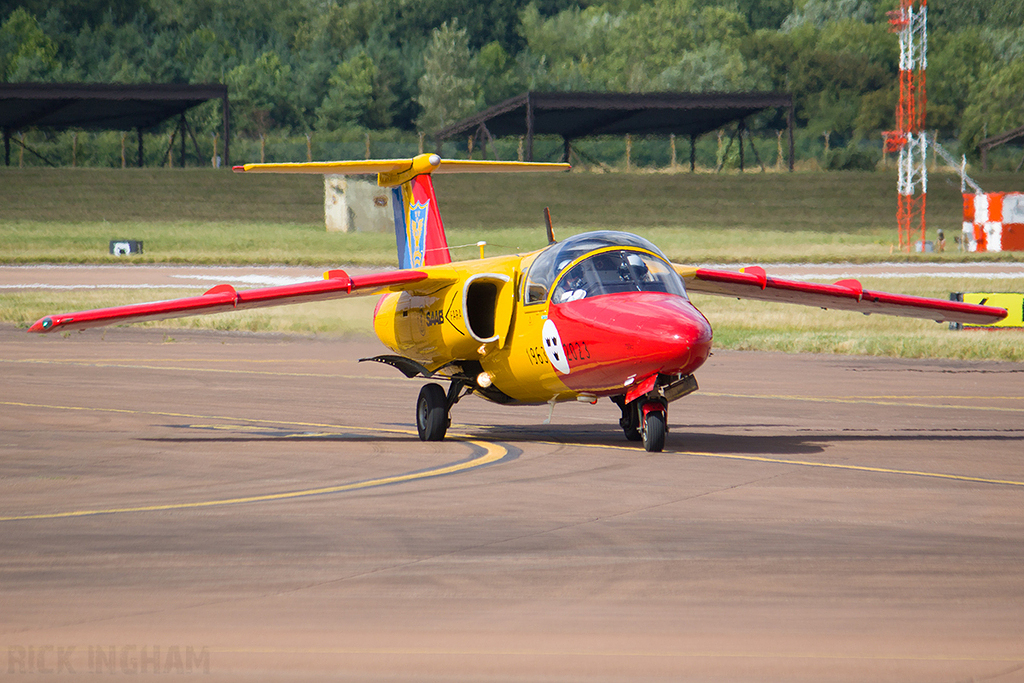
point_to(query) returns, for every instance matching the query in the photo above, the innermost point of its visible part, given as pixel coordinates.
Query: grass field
(207, 216)
(202, 216)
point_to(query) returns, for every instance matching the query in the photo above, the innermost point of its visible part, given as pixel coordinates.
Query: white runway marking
(255, 280)
(43, 285)
(201, 278)
(144, 277)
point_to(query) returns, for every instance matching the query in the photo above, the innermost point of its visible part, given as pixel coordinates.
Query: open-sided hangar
(104, 106)
(574, 115)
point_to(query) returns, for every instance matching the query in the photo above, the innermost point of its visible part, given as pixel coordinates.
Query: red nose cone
(609, 339)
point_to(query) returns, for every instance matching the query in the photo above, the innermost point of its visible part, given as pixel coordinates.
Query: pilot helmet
(639, 264)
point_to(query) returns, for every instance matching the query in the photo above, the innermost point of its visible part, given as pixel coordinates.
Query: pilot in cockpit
(640, 271)
(609, 272)
(573, 285)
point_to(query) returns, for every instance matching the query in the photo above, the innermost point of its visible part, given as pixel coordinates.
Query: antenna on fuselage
(551, 230)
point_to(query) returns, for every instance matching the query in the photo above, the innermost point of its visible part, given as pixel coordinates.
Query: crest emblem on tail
(418, 213)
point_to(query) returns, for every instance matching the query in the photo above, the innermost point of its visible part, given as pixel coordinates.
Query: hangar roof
(582, 114)
(99, 105)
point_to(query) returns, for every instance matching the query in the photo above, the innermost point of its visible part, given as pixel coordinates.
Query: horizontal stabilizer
(394, 172)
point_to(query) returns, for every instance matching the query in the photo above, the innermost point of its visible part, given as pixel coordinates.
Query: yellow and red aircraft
(600, 314)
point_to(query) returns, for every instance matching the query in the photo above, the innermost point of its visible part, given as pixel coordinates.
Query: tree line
(344, 66)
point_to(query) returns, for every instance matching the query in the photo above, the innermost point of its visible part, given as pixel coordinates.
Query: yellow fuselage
(475, 314)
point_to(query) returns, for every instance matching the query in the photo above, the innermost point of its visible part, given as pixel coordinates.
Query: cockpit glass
(613, 272)
(640, 272)
(550, 262)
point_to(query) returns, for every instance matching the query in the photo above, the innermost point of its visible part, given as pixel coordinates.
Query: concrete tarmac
(259, 507)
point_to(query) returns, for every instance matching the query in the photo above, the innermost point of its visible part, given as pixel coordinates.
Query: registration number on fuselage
(574, 351)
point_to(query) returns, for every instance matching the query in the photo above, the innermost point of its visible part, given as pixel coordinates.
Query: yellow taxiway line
(492, 453)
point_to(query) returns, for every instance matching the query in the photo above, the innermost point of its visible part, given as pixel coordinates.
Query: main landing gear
(644, 420)
(433, 408)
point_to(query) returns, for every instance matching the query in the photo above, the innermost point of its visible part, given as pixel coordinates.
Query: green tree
(485, 22)
(447, 90)
(133, 52)
(840, 74)
(639, 46)
(956, 15)
(712, 68)
(250, 21)
(260, 94)
(765, 13)
(817, 13)
(26, 53)
(351, 88)
(997, 105)
(564, 51)
(956, 62)
(497, 74)
(78, 13)
(204, 55)
(357, 96)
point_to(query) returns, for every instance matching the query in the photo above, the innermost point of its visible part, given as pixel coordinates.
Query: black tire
(631, 426)
(432, 413)
(653, 431)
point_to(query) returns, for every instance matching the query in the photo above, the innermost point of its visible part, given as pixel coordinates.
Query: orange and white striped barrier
(994, 221)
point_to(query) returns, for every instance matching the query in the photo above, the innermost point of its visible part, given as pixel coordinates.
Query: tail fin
(419, 232)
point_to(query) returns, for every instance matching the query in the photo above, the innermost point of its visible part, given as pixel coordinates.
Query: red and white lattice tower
(909, 22)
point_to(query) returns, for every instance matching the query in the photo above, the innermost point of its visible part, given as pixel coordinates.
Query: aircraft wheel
(432, 413)
(631, 421)
(652, 428)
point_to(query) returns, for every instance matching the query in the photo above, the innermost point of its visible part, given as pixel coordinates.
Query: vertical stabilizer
(419, 232)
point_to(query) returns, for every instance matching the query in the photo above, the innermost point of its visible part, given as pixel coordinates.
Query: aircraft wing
(847, 295)
(336, 284)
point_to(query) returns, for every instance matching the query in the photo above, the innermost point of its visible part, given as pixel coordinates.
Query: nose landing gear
(644, 420)
(653, 426)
